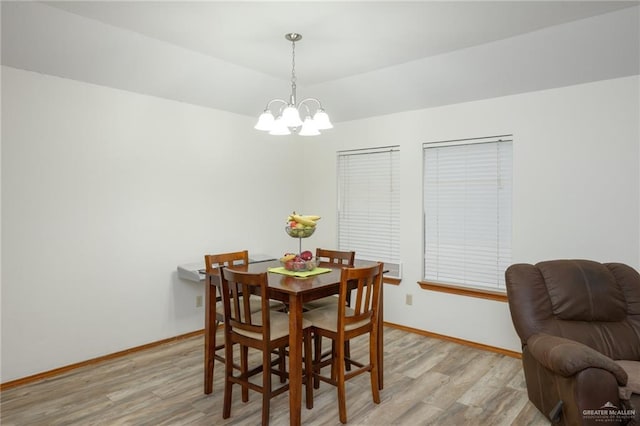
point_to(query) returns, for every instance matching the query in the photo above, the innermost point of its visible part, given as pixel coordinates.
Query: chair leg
(334, 366)
(347, 345)
(317, 357)
(266, 386)
(308, 368)
(244, 367)
(373, 360)
(347, 354)
(282, 366)
(339, 364)
(228, 385)
(209, 359)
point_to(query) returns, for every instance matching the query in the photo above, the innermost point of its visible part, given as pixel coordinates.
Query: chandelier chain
(293, 62)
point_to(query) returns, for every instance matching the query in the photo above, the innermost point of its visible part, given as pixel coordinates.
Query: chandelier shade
(279, 128)
(309, 128)
(291, 116)
(321, 120)
(283, 118)
(265, 121)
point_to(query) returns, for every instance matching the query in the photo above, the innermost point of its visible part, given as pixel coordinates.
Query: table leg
(295, 360)
(209, 335)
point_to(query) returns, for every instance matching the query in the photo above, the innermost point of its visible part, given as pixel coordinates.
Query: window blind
(368, 205)
(467, 211)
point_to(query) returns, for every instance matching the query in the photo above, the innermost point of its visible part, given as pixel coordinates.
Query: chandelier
(287, 115)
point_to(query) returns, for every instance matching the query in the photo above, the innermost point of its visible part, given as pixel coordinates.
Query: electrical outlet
(408, 299)
(198, 301)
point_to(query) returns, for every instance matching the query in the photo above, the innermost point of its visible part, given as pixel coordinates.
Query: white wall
(576, 186)
(104, 192)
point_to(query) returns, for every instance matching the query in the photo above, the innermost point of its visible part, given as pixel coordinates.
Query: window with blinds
(369, 205)
(467, 211)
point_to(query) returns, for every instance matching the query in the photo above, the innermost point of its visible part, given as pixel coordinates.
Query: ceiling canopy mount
(293, 37)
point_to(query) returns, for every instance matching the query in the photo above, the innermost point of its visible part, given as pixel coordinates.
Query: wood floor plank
(427, 382)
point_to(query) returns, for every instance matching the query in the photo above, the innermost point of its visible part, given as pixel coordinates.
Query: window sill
(392, 281)
(497, 295)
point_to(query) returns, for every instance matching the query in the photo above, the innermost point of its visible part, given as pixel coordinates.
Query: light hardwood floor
(427, 382)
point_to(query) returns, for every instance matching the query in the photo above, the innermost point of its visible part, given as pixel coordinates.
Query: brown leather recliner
(575, 318)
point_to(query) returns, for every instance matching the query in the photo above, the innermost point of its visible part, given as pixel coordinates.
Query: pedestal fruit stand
(300, 226)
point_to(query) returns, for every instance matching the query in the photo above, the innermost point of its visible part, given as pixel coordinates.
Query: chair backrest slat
(239, 287)
(336, 257)
(367, 281)
(212, 262)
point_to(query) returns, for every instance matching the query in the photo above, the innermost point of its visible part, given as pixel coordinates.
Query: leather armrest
(568, 357)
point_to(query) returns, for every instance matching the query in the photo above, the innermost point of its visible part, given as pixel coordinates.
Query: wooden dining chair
(342, 323)
(213, 263)
(331, 257)
(266, 331)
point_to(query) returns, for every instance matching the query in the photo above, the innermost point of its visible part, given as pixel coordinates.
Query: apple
(306, 255)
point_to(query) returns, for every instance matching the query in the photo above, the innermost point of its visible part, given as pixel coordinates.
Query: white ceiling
(359, 58)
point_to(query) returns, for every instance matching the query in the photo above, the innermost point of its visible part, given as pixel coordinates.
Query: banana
(303, 220)
(307, 221)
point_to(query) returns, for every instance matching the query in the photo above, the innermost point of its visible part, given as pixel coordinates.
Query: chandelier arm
(300, 105)
(309, 99)
(268, 107)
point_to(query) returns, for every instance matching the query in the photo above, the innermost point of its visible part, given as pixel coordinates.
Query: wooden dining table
(293, 291)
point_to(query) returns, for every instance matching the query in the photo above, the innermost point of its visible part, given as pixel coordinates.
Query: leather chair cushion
(632, 368)
(583, 291)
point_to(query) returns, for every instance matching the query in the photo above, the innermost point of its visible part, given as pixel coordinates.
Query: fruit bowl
(300, 232)
(299, 265)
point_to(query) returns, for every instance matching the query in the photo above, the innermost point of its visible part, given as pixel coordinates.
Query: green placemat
(301, 274)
